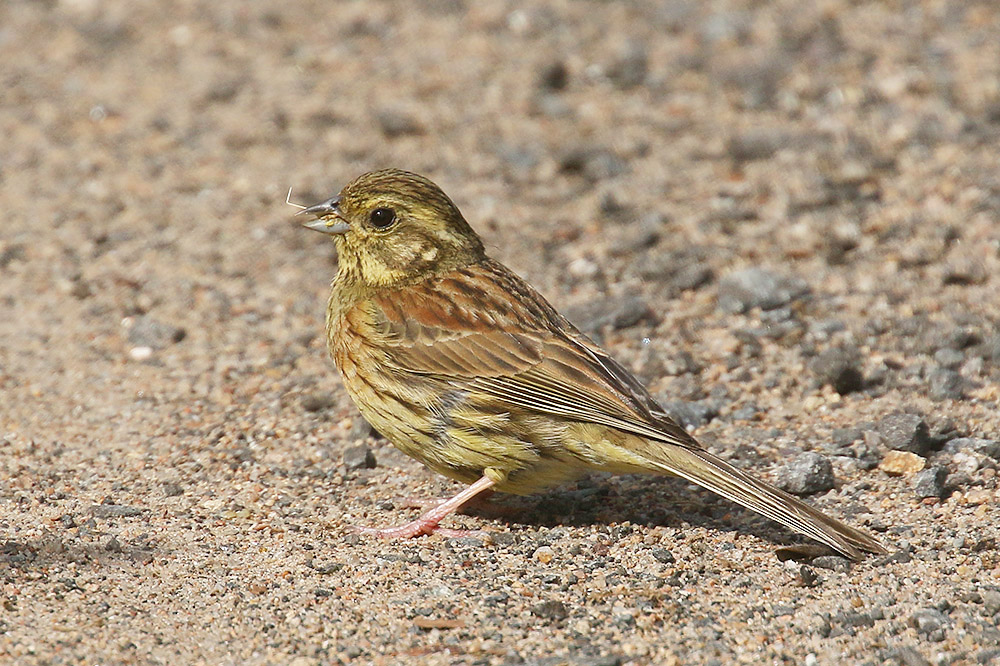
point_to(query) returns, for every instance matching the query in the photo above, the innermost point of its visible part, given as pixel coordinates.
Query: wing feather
(541, 364)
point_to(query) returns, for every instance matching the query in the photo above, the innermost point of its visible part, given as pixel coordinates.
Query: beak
(328, 219)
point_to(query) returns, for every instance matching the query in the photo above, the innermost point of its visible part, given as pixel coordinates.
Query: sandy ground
(781, 215)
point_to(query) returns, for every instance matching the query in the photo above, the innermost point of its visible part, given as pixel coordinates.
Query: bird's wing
(462, 329)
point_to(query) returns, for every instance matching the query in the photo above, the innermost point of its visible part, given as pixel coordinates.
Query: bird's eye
(382, 217)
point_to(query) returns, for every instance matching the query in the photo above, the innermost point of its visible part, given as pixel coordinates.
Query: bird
(464, 366)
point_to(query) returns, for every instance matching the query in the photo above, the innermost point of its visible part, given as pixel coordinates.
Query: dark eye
(382, 217)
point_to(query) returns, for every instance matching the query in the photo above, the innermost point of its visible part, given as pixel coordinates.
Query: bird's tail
(711, 472)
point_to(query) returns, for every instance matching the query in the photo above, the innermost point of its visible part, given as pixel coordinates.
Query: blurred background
(782, 215)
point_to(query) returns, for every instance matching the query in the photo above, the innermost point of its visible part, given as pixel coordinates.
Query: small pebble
(949, 358)
(360, 430)
(833, 563)
(594, 163)
(755, 144)
(554, 76)
(359, 457)
(808, 577)
(550, 610)
(965, 273)
(986, 447)
(172, 490)
(618, 313)
(758, 287)
(909, 656)
(898, 463)
(840, 368)
(946, 384)
(317, 401)
(977, 496)
(808, 473)
(930, 482)
(396, 122)
(663, 555)
(965, 462)
(148, 332)
(904, 432)
(141, 353)
(929, 622)
(991, 601)
(544, 554)
(114, 511)
(689, 414)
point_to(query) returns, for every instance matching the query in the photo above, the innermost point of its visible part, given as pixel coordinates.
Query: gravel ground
(781, 215)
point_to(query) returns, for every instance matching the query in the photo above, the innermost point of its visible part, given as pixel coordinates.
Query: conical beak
(328, 220)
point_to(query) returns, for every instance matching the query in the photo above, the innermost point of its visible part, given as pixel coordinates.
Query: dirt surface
(781, 215)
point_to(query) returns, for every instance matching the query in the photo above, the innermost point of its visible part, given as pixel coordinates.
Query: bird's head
(393, 227)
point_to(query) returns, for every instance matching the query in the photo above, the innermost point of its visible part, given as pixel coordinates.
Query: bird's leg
(430, 502)
(428, 523)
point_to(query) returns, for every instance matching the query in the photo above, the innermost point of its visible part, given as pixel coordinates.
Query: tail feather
(711, 472)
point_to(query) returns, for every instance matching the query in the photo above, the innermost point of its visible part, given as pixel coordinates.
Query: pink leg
(427, 503)
(428, 523)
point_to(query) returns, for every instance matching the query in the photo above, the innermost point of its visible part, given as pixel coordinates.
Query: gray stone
(663, 555)
(360, 429)
(931, 482)
(946, 384)
(317, 401)
(689, 414)
(553, 76)
(691, 276)
(844, 437)
(839, 367)
(755, 144)
(951, 359)
(930, 622)
(905, 432)
(114, 511)
(592, 162)
(359, 457)
(855, 619)
(832, 563)
(618, 313)
(550, 610)
(148, 332)
(396, 122)
(986, 447)
(908, 656)
(758, 287)
(808, 577)
(808, 473)
(171, 489)
(989, 349)
(991, 601)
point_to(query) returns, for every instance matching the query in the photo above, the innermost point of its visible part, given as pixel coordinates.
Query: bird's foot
(428, 523)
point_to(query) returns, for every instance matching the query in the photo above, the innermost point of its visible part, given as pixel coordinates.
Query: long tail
(711, 472)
